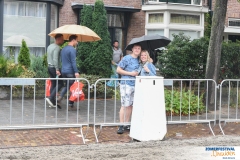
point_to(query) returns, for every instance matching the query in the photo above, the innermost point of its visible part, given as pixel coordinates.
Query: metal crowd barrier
(229, 102)
(107, 115)
(23, 106)
(199, 88)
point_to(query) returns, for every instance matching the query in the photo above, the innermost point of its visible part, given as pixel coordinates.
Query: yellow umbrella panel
(83, 33)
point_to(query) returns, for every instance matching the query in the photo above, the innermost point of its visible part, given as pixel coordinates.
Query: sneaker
(127, 127)
(59, 107)
(50, 102)
(120, 130)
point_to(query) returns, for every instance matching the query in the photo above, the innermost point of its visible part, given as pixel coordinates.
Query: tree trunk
(214, 49)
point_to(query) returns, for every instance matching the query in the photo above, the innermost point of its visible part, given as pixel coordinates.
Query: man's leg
(52, 74)
(126, 109)
(125, 114)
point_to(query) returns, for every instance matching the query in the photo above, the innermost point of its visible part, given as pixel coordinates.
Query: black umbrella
(149, 42)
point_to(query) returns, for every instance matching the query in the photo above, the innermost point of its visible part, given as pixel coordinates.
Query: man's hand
(77, 75)
(134, 73)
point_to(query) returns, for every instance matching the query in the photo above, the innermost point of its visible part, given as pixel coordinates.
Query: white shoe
(49, 102)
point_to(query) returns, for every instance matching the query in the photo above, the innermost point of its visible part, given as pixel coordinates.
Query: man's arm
(123, 72)
(55, 59)
(73, 62)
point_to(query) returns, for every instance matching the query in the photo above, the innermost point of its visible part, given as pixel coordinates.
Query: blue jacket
(68, 57)
(150, 66)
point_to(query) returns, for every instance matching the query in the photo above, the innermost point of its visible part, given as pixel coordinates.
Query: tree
(99, 60)
(84, 48)
(24, 55)
(215, 46)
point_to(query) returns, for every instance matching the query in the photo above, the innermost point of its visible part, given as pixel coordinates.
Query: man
(116, 58)
(69, 67)
(128, 68)
(117, 53)
(53, 59)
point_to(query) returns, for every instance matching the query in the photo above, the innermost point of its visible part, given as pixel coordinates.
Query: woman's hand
(146, 68)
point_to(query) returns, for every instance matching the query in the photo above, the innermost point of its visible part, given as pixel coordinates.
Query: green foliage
(84, 49)
(207, 25)
(100, 86)
(10, 69)
(177, 103)
(99, 60)
(24, 55)
(230, 61)
(184, 58)
(64, 44)
(45, 63)
(3, 66)
(38, 67)
(14, 70)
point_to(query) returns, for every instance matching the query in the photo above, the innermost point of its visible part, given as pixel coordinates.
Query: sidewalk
(39, 113)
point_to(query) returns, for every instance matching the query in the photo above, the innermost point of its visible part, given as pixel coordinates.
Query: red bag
(76, 92)
(48, 87)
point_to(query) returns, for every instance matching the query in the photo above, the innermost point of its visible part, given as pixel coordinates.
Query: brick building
(34, 19)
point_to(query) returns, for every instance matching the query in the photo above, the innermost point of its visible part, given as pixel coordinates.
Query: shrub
(3, 66)
(14, 70)
(173, 103)
(230, 61)
(99, 60)
(100, 86)
(38, 67)
(24, 55)
(184, 58)
(84, 49)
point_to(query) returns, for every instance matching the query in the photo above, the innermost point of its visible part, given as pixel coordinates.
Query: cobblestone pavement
(72, 136)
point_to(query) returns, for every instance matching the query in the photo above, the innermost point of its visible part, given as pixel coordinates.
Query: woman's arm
(152, 69)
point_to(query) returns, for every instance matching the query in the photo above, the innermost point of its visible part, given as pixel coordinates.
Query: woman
(146, 67)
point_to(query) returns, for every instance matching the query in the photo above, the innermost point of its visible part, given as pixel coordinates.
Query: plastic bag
(48, 87)
(76, 92)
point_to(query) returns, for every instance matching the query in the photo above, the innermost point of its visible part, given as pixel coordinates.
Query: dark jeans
(68, 84)
(54, 83)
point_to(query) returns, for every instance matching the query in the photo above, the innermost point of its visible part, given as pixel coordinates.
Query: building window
(192, 34)
(155, 31)
(24, 20)
(54, 16)
(155, 18)
(234, 22)
(116, 27)
(185, 19)
(177, 1)
(115, 20)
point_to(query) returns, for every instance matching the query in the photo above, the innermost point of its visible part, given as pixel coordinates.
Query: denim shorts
(127, 95)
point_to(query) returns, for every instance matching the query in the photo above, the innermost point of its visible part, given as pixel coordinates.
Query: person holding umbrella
(69, 67)
(128, 68)
(146, 67)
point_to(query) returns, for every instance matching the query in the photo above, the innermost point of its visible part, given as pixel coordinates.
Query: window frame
(171, 23)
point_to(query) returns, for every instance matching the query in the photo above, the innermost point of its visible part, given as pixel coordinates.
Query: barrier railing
(229, 102)
(195, 92)
(197, 112)
(23, 106)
